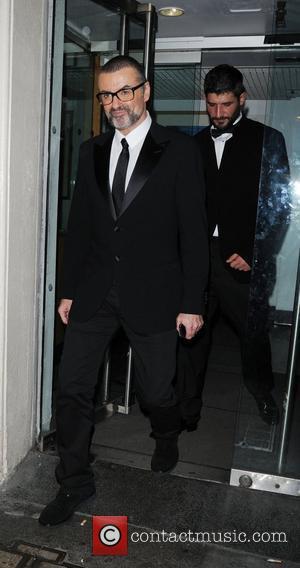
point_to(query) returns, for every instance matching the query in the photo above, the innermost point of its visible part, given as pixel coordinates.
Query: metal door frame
(52, 203)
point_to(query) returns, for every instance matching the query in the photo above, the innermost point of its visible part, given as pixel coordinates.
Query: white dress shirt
(219, 143)
(135, 140)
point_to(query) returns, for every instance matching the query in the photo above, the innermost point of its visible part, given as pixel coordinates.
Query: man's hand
(238, 263)
(191, 322)
(64, 309)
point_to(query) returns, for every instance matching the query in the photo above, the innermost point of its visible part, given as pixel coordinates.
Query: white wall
(23, 47)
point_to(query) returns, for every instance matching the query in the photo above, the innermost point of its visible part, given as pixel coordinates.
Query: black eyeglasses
(124, 95)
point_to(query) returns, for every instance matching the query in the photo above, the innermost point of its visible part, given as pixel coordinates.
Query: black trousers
(84, 348)
(231, 298)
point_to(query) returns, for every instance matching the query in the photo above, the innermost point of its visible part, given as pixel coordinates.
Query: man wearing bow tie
(136, 256)
(241, 158)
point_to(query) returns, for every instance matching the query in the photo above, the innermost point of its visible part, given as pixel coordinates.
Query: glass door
(231, 435)
(176, 92)
(78, 27)
(266, 456)
(73, 117)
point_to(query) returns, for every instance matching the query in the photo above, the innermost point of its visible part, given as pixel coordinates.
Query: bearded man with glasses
(136, 256)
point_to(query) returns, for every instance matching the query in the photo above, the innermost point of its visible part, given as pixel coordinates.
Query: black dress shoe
(268, 410)
(165, 455)
(62, 507)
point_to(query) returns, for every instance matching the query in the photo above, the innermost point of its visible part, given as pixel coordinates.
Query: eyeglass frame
(115, 94)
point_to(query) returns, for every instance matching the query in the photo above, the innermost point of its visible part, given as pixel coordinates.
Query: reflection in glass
(272, 297)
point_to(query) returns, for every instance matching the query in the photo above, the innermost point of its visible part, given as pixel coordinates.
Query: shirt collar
(238, 119)
(137, 134)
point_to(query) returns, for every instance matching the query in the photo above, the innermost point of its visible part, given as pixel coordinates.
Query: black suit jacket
(254, 163)
(156, 250)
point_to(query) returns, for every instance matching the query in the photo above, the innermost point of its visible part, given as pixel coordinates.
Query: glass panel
(136, 38)
(76, 126)
(77, 108)
(270, 78)
(92, 20)
(262, 447)
(176, 93)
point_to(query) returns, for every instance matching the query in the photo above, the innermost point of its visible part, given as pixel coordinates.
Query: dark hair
(122, 61)
(224, 79)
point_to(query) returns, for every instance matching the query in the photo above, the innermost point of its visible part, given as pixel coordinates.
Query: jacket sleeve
(77, 241)
(193, 239)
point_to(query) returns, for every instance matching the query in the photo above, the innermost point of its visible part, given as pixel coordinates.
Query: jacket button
(116, 228)
(117, 258)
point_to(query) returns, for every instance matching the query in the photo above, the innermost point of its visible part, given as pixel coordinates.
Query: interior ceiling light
(244, 10)
(171, 11)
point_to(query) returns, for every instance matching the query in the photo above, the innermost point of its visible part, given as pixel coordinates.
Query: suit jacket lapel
(209, 153)
(149, 157)
(101, 163)
(234, 144)
(226, 151)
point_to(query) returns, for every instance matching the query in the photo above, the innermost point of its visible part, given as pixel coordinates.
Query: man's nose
(115, 103)
(219, 111)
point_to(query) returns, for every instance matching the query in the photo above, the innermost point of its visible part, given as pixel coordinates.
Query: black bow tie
(216, 132)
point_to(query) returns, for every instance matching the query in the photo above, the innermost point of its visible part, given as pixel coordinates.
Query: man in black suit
(246, 173)
(136, 256)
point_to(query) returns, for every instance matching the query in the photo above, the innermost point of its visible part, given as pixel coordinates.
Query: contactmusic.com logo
(110, 536)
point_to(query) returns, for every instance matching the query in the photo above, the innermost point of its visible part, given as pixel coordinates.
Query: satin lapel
(149, 157)
(211, 155)
(101, 163)
(226, 152)
(234, 144)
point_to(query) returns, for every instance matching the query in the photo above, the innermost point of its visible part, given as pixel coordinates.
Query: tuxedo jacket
(252, 178)
(156, 250)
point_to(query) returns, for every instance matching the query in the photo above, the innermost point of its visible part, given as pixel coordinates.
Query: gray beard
(132, 118)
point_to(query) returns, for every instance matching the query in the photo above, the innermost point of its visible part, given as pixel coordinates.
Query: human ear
(147, 91)
(243, 98)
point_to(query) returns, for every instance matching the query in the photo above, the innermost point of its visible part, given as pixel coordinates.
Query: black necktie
(118, 186)
(216, 132)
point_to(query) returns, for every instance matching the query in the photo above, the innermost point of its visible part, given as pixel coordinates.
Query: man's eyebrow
(120, 89)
